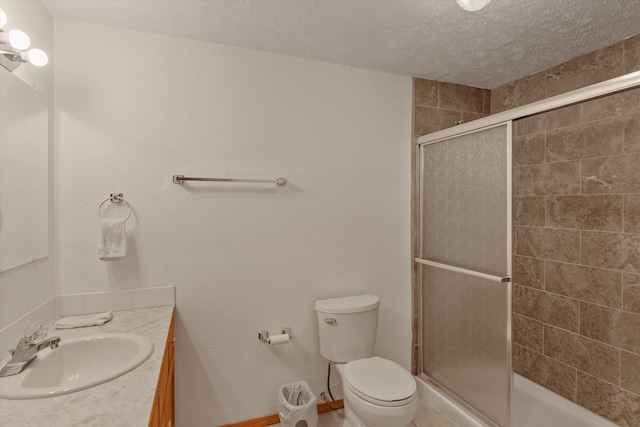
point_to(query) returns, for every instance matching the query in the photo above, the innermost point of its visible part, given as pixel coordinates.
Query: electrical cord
(333, 404)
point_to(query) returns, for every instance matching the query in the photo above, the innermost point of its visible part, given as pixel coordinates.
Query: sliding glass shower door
(465, 268)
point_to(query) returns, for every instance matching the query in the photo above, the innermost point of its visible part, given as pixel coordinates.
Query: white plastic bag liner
(296, 402)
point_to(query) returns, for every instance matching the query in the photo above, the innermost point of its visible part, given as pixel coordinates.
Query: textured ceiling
(433, 39)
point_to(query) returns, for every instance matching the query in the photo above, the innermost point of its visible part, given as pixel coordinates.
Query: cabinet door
(161, 390)
(169, 399)
(154, 421)
(163, 413)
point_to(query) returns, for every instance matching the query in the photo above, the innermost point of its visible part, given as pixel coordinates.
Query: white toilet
(377, 392)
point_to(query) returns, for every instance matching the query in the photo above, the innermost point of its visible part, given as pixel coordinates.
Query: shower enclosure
(464, 258)
(465, 267)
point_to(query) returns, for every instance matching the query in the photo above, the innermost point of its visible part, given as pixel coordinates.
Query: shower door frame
(608, 87)
(503, 281)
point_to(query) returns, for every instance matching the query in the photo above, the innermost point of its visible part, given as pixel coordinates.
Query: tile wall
(577, 242)
(577, 253)
(576, 226)
(594, 67)
(437, 106)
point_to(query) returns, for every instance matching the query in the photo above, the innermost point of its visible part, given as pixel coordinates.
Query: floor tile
(426, 416)
(425, 409)
(435, 420)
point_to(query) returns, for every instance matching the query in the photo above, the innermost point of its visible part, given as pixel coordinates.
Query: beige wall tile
(545, 371)
(630, 372)
(548, 243)
(468, 116)
(632, 213)
(632, 132)
(631, 293)
(616, 251)
(610, 326)
(463, 98)
(523, 181)
(632, 54)
(519, 92)
(486, 102)
(615, 174)
(593, 139)
(567, 116)
(528, 271)
(548, 179)
(529, 149)
(597, 212)
(593, 357)
(528, 333)
(593, 67)
(608, 400)
(585, 283)
(618, 104)
(428, 120)
(425, 92)
(546, 307)
(529, 210)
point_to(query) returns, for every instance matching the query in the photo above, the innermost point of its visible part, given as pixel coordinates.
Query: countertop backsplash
(69, 305)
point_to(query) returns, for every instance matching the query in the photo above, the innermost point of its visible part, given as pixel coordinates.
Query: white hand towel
(84, 320)
(114, 239)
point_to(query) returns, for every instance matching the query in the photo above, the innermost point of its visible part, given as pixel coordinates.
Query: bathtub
(532, 406)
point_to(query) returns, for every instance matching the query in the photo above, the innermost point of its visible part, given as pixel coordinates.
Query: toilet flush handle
(331, 321)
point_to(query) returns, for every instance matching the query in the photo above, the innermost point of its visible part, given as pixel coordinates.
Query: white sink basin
(77, 364)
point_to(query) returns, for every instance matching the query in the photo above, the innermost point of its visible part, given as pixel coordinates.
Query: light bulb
(19, 40)
(37, 57)
(473, 5)
(3, 18)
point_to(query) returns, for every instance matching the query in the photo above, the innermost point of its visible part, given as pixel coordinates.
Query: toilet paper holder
(263, 335)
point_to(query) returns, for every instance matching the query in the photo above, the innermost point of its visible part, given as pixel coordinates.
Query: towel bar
(179, 179)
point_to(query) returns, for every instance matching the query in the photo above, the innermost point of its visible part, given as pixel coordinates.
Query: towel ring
(115, 198)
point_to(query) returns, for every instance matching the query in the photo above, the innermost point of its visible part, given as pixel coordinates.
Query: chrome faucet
(26, 351)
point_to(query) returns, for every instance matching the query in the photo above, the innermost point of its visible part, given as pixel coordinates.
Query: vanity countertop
(123, 401)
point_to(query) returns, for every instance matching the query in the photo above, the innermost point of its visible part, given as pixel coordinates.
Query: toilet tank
(347, 327)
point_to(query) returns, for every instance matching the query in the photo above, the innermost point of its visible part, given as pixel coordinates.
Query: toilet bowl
(377, 392)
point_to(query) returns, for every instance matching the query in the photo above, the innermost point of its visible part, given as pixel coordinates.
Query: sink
(78, 363)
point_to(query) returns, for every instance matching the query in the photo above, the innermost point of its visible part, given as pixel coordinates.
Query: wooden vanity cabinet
(163, 412)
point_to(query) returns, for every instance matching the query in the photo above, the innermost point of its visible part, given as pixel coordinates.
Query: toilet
(377, 392)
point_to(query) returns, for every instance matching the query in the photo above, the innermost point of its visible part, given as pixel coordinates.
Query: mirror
(24, 173)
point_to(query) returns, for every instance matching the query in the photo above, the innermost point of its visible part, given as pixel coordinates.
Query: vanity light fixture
(472, 5)
(14, 48)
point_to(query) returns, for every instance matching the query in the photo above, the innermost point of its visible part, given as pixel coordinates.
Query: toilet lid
(379, 380)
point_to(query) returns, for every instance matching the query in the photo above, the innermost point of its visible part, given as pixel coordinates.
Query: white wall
(26, 287)
(132, 109)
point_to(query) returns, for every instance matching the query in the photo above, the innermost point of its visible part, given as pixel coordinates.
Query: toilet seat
(380, 381)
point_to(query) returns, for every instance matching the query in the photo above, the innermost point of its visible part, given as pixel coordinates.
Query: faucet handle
(35, 332)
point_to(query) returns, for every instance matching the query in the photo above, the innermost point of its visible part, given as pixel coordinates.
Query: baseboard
(324, 407)
(270, 420)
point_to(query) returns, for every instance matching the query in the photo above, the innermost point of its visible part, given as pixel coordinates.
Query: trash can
(297, 405)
